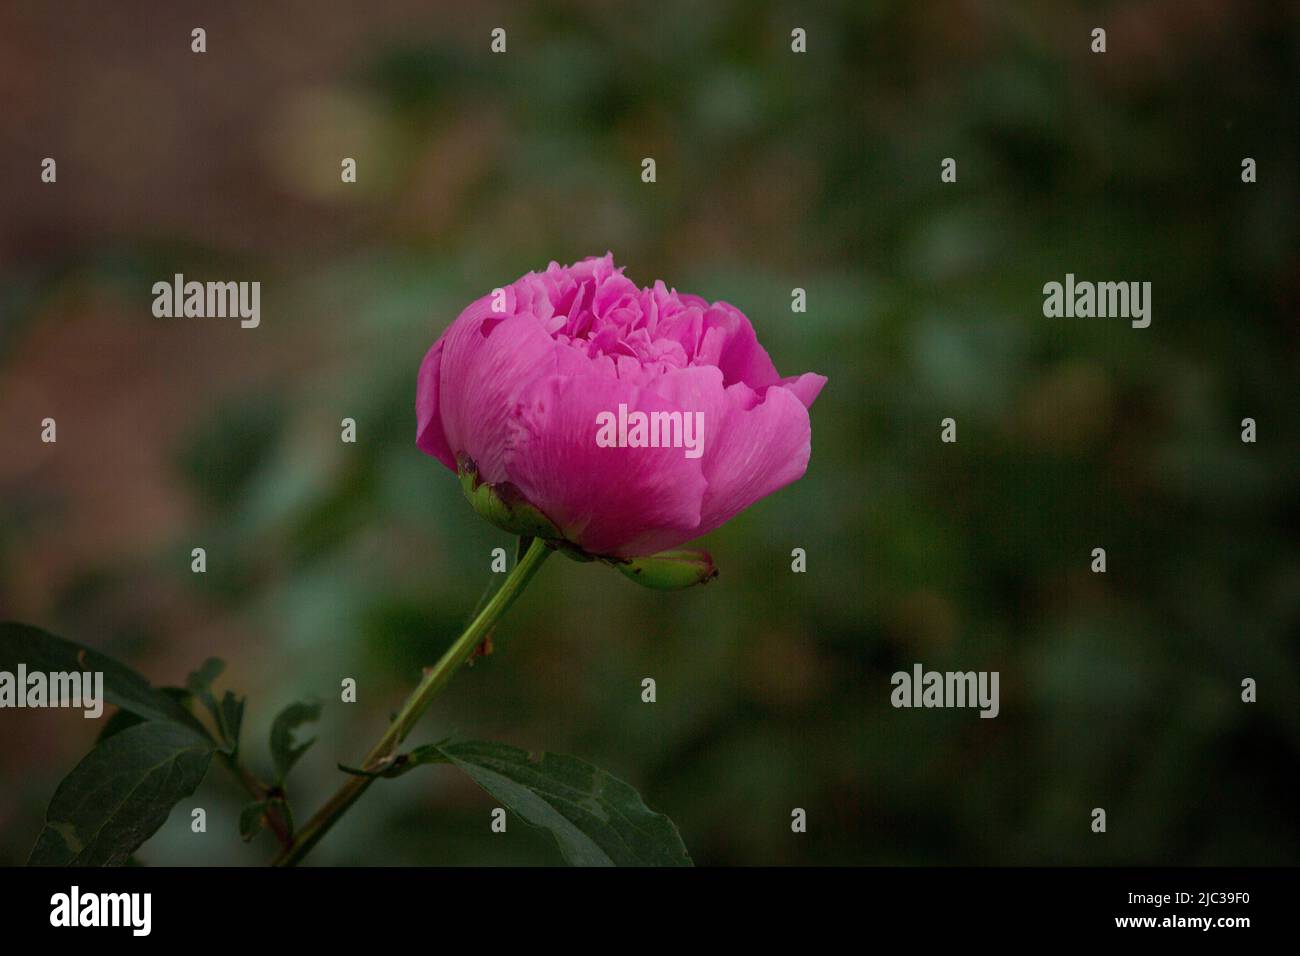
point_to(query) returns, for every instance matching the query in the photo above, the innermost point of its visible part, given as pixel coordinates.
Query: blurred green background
(775, 171)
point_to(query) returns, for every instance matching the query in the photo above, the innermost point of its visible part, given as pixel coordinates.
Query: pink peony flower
(514, 393)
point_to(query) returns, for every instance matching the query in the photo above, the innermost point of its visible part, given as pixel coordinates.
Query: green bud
(503, 504)
(670, 570)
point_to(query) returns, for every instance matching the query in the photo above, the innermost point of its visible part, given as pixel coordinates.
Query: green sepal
(573, 552)
(503, 504)
(670, 570)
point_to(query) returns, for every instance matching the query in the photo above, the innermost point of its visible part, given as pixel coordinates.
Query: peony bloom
(534, 393)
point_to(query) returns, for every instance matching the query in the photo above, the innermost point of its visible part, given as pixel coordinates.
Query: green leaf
(283, 751)
(402, 763)
(117, 723)
(230, 714)
(199, 683)
(120, 794)
(123, 719)
(123, 687)
(595, 818)
(252, 819)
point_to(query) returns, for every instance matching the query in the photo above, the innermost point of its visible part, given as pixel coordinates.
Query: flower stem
(435, 678)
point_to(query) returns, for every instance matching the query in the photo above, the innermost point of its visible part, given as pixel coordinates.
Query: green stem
(434, 680)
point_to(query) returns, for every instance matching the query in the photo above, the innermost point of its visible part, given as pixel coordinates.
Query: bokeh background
(775, 171)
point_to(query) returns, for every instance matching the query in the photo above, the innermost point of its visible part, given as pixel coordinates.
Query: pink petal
(729, 343)
(429, 435)
(488, 362)
(615, 501)
(806, 387)
(753, 454)
(697, 388)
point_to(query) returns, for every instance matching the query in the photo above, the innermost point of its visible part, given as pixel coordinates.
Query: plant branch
(434, 680)
(259, 791)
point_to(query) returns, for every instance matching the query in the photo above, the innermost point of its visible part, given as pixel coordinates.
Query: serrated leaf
(123, 687)
(595, 818)
(283, 750)
(120, 794)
